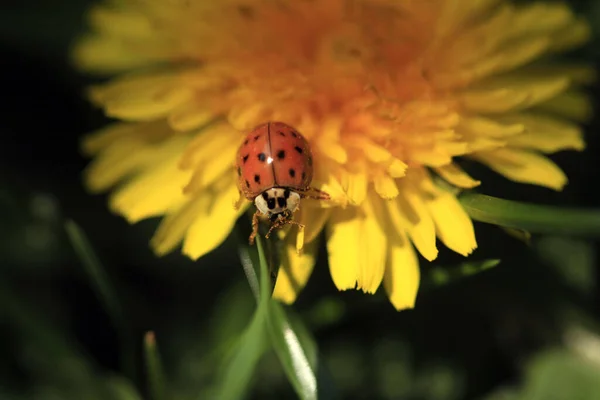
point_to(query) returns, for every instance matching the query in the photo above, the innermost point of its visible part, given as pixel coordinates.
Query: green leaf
(105, 292)
(532, 217)
(443, 275)
(154, 370)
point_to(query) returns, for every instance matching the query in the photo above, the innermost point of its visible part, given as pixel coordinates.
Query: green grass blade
(105, 292)
(265, 283)
(292, 353)
(297, 352)
(285, 341)
(442, 275)
(154, 370)
(250, 272)
(532, 217)
(242, 362)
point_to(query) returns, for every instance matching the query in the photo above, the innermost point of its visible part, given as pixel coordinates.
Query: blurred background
(76, 302)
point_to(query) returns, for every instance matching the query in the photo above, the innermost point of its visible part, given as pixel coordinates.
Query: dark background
(497, 333)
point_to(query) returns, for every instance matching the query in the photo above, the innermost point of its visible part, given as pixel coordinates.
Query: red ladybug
(275, 169)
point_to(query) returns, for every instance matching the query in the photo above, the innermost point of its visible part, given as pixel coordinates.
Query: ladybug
(275, 169)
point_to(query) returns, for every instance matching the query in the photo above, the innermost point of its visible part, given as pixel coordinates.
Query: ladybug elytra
(275, 170)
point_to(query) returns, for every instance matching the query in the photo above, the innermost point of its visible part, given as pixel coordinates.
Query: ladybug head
(275, 201)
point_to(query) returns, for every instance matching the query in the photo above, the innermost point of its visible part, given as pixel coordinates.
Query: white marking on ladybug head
(277, 200)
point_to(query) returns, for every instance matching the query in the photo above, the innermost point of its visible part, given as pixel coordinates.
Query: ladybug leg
(278, 223)
(282, 221)
(254, 228)
(240, 200)
(316, 194)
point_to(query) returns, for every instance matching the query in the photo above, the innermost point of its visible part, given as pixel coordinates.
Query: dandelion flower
(387, 92)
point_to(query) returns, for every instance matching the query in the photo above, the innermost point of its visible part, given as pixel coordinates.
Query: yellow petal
(408, 212)
(174, 226)
(578, 74)
(471, 125)
(456, 176)
(516, 91)
(213, 223)
(397, 168)
(210, 141)
(154, 192)
(127, 157)
(325, 181)
(373, 248)
(454, 14)
(373, 151)
(147, 105)
(402, 273)
(190, 115)
(431, 157)
(294, 271)
(385, 186)
(453, 225)
(357, 248)
(524, 166)
(124, 23)
(573, 104)
(502, 60)
(343, 246)
(113, 134)
(334, 150)
(572, 35)
(313, 218)
(546, 134)
(100, 54)
(356, 186)
(212, 169)
(142, 97)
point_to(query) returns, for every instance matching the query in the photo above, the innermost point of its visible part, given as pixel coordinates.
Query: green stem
(532, 217)
(154, 370)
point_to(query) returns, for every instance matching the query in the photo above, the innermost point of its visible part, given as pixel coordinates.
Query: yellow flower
(386, 91)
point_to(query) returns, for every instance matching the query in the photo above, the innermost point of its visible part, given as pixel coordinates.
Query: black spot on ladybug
(286, 194)
(257, 178)
(245, 158)
(299, 149)
(292, 172)
(281, 154)
(256, 137)
(310, 161)
(245, 142)
(271, 203)
(303, 175)
(294, 134)
(281, 202)
(281, 133)
(239, 171)
(262, 157)
(247, 184)
(265, 195)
